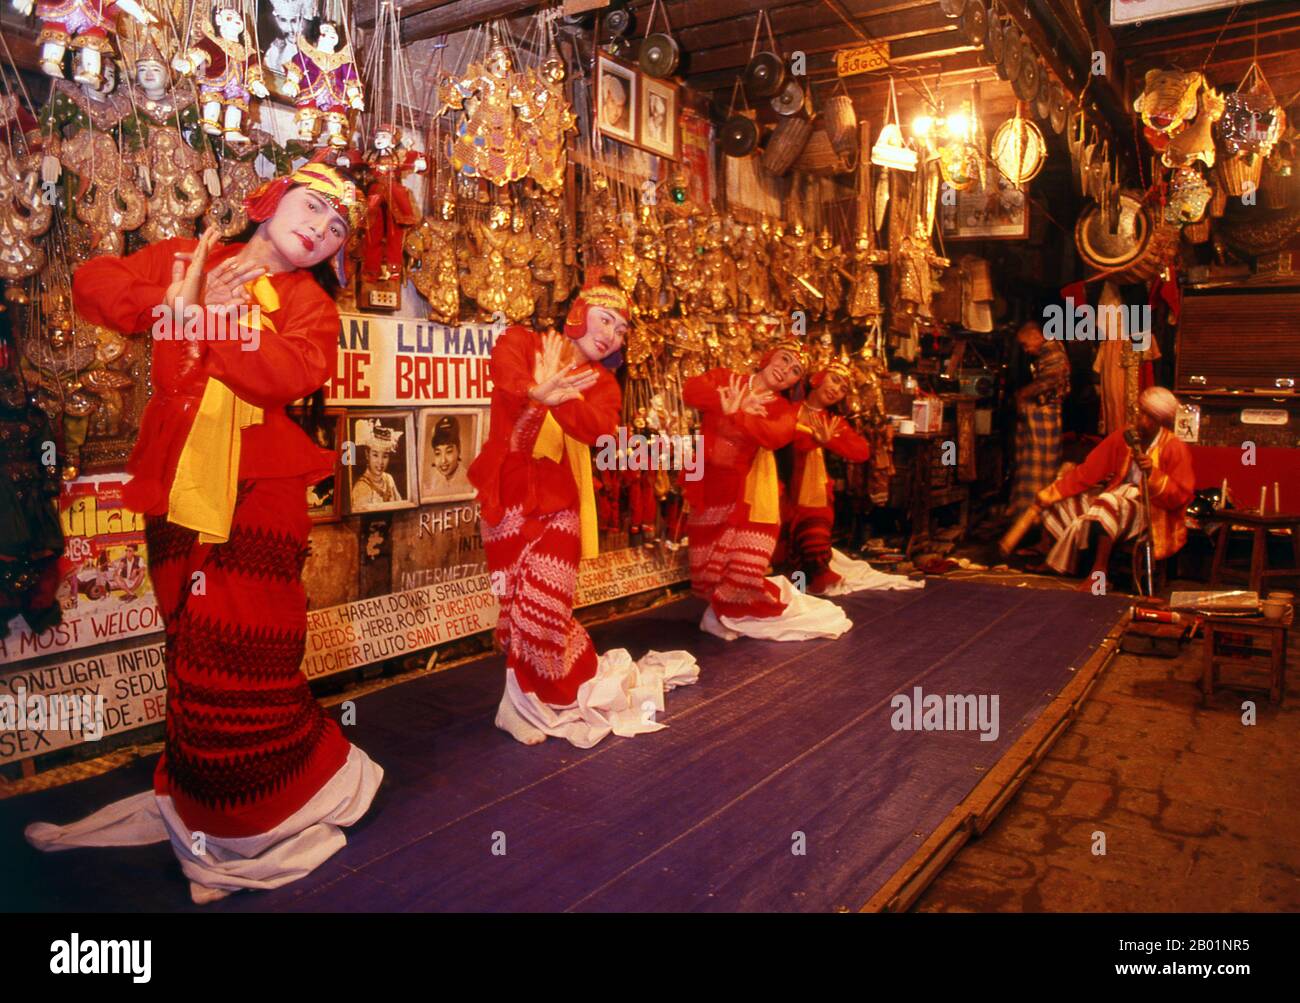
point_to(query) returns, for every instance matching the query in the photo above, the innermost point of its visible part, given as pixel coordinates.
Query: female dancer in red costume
(811, 502)
(255, 780)
(735, 506)
(551, 401)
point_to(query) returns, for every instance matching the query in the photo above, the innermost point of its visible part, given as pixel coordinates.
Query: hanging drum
(786, 144)
(660, 55)
(1138, 249)
(765, 75)
(790, 100)
(738, 135)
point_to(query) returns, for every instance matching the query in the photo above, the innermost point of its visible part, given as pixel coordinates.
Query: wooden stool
(1260, 526)
(1272, 632)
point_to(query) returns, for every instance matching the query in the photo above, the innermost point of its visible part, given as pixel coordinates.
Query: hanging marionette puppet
(227, 68)
(251, 760)
(553, 397)
(322, 79)
(391, 209)
(489, 141)
(735, 506)
(83, 25)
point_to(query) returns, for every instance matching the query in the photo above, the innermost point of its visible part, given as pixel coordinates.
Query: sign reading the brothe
(386, 361)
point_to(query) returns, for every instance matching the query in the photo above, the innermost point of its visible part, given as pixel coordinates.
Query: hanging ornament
(1018, 149)
(24, 214)
(322, 79)
(546, 110)
(225, 65)
(108, 200)
(85, 26)
(489, 142)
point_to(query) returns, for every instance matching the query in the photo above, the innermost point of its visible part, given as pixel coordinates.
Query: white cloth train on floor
(806, 618)
(293, 849)
(621, 699)
(859, 576)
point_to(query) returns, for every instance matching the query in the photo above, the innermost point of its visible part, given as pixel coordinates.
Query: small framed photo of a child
(449, 442)
(659, 132)
(381, 477)
(617, 94)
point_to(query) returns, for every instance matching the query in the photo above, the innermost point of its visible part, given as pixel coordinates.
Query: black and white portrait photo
(449, 441)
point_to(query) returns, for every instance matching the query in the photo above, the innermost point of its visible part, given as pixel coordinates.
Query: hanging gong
(952, 8)
(738, 136)
(1012, 54)
(1026, 82)
(974, 22)
(618, 22)
(1105, 250)
(1060, 109)
(1043, 99)
(765, 75)
(993, 40)
(660, 55)
(790, 99)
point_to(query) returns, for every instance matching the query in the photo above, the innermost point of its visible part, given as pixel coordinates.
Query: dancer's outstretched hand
(555, 380)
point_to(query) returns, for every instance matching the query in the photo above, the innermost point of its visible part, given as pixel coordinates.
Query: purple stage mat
(779, 748)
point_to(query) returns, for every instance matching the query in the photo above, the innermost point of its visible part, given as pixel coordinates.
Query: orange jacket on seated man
(1172, 483)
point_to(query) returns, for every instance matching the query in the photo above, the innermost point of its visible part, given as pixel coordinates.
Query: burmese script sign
(385, 361)
(133, 684)
(862, 59)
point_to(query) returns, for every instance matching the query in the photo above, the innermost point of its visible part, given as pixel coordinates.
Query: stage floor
(780, 747)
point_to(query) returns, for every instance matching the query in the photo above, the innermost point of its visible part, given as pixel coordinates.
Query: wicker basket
(1237, 172)
(840, 120)
(1277, 191)
(819, 156)
(786, 143)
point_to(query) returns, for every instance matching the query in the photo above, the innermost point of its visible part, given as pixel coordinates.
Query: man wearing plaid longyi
(1038, 432)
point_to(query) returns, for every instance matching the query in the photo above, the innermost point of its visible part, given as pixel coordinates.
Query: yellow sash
(550, 445)
(812, 492)
(203, 492)
(760, 489)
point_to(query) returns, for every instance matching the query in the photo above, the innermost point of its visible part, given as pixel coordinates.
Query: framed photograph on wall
(449, 441)
(618, 93)
(997, 212)
(323, 502)
(383, 477)
(658, 118)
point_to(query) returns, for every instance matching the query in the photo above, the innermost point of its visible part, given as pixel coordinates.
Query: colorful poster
(386, 361)
(697, 157)
(105, 593)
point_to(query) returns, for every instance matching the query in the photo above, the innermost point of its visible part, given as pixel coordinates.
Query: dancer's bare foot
(509, 720)
(203, 895)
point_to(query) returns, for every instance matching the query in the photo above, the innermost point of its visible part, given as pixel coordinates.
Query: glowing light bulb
(921, 126)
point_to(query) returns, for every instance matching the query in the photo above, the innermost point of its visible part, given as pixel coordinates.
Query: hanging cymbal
(1059, 112)
(790, 100)
(765, 75)
(1012, 54)
(618, 21)
(993, 40)
(738, 136)
(1026, 82)
(659, 55)
(1043, 99)
(952, 8)
(974, 22)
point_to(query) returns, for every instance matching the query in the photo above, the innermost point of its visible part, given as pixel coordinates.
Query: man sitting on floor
(1106, 491)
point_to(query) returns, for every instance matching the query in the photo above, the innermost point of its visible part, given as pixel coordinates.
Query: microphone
(1134, 442)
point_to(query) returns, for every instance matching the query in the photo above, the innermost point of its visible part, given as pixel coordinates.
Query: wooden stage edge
(976, 812)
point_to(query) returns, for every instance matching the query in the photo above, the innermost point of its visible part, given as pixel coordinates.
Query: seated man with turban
(1105, 490)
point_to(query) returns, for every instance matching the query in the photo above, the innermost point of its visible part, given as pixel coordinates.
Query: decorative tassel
(213, 181)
